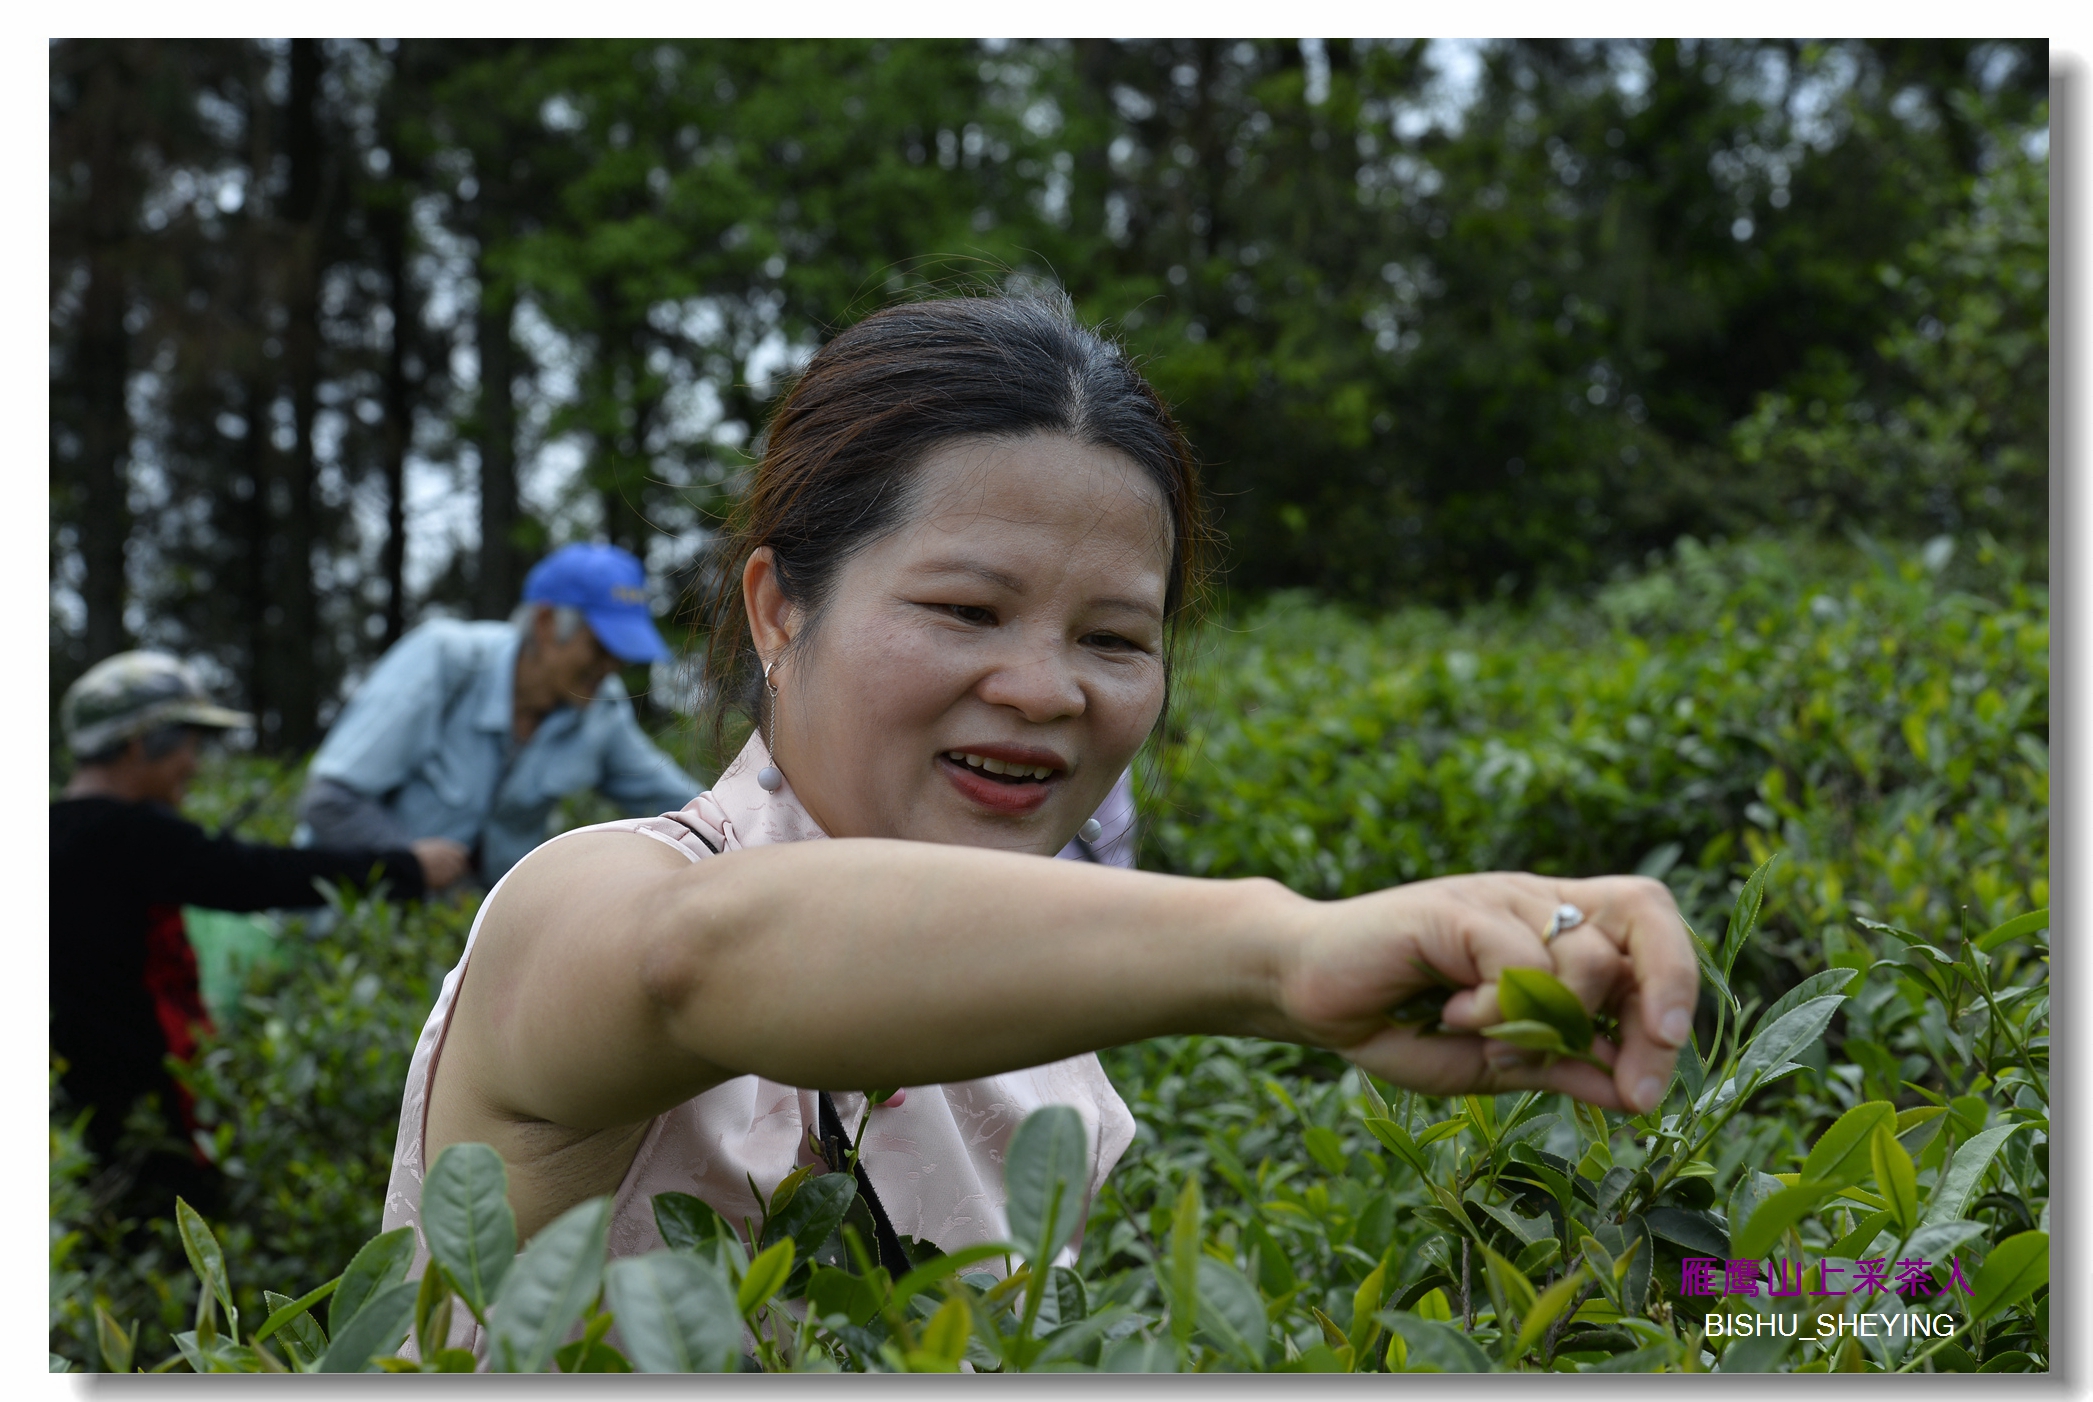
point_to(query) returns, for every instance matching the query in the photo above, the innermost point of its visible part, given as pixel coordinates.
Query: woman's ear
(773, 619)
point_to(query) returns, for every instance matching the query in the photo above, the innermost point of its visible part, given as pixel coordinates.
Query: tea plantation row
(1870, 1080)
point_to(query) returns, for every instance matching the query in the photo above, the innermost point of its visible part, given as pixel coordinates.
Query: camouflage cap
(134, 692)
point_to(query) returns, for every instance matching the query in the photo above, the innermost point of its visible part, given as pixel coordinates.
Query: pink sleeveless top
(935, 1159)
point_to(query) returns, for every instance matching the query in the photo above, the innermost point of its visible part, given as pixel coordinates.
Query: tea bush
(1485, 1233)
(1869, 1081)
(1880, 717)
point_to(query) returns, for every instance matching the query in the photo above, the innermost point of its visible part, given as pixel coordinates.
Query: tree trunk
(301, 682)
(104, 368)
(499, 577)
(399, 416)
(105, 510)
(258, 606)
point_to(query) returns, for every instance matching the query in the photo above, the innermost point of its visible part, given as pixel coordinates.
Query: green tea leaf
(1841, 1153)
(466, 1218)
(590, 1356)
(432, 1310)
(831, 1292)
(1762, 1353)
(207, 1259)
(116, 1344)
(1757, 1235)
(1744, 917)
(2020, 927)
(686, 1223)
(1181, 1282)
(1527, 1229)
(2015, 1269)
(1533, 1036)
(1916, 1127)
(1275, 1272)
(766, 1274)
(1815, 986)
(933, 1271)
(1365, 1300)
(1044, 1175)
(1778, 1042)
(381, 1264)
(380, 1327)
(1231, 1312)
(1935, 1240)
(1895, 1178)
(1516, 1290)
(1533, 995)
(1444, 1129)
(1399, 1141)
(677, 1313)
(814, 1212)
(1073, 1338)
(1137, 1353)
(944, 1338)
(1692, 1071)
(1952, 1193)
(1861, 1237)
(282, 1310)
(1325, 1148)
(546, 1291)
(1699, 1232)
(1550, 1303)
(1432, 1346)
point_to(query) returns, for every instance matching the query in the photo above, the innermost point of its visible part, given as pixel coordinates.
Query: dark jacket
(124, 989)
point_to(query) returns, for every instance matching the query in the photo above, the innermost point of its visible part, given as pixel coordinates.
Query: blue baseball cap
(609, 586)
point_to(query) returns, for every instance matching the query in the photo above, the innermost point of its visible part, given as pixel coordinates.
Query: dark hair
(882, 396)
(160, 742)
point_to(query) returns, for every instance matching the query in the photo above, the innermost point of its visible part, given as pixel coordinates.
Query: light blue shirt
(427, 736)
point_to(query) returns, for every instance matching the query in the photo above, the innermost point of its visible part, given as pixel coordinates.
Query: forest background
(1631, 455)
(345, 334)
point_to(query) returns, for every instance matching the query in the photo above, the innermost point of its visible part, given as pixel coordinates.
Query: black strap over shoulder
(835, 1151)
(695, 831)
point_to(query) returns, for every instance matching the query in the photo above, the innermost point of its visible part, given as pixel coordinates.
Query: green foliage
(1879, 716)
(1955, 432)
(317, 1057)
(1562, 1236)
(1869, 1079)
(1427, 345)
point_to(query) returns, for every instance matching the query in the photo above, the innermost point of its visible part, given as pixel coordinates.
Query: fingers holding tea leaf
(1645, 1065)
(1538, 997)
(1639, 916)
(1590, 966)
(1454, 1064)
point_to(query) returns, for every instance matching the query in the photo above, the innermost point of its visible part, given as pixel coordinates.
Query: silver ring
(1566, 917)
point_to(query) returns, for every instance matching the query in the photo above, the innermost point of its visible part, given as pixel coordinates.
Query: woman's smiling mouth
(1004, 779)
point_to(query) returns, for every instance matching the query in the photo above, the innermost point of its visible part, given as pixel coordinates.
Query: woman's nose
(1038, 683)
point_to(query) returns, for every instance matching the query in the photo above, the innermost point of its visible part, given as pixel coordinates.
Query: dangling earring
(770, 778)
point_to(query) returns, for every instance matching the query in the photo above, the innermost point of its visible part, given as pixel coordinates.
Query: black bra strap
(695, 831)
(835, 1151)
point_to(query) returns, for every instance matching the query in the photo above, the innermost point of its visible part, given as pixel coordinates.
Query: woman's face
(1013, 623)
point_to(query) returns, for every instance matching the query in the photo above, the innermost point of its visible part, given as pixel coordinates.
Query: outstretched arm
(613, 978)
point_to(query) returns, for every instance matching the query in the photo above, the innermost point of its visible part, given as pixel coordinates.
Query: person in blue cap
(473, 731)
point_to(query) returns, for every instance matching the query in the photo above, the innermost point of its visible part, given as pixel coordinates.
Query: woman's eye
(971, 613)
(1113, 642)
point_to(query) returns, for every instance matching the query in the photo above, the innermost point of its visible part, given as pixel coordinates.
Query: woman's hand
(1359, 958)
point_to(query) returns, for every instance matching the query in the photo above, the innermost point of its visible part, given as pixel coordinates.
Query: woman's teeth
(997, 766)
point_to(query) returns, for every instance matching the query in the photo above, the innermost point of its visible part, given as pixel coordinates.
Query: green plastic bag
(227, 947)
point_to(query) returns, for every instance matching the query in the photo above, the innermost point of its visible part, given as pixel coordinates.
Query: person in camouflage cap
(125, 994)
(132, 694)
